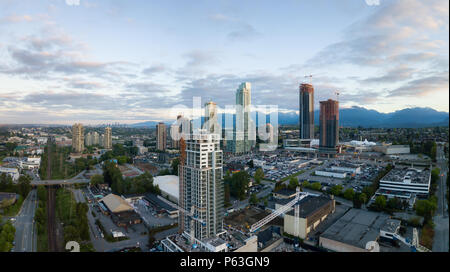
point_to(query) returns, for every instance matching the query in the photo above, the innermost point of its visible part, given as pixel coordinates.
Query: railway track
(51, 225)
(51, 219)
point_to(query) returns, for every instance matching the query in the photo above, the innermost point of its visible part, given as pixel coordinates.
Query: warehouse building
(313, 210)
(392, 149)
(122, 213)
(353, 231)
(331, 173)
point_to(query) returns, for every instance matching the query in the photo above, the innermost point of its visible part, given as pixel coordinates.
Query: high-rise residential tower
(161, 136)
(306, 110)
(201, 185)
(244, 134)
(107, 142)
(78, 138)
(211, 123)
(329, 126)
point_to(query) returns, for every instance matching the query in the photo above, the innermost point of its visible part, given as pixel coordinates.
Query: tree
(306, 184)
(336, 190)
(251, 164)
(349, 193)
(316, 186)
(293, 183)
(380, 202)
(363, 198)
(425, 208)
(175, 164)
(24, 185)
(164, 172)
(259, 175)
(96, 179)
(394, 204)
(239, 184)
(253, 199)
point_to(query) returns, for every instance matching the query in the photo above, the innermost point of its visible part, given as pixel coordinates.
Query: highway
(441, 220)
(26, 236)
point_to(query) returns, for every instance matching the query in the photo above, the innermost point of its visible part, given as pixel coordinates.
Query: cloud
(372, 2)
(73, 2)
(154, 69)
(423, 86)
(243, 31)
(17, 19)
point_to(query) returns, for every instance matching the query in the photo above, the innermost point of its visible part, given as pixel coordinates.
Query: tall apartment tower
(201, 185)
(78, 138)
(211, 123)
(306, 109)
(107, 142)
(88, 139)
(161, 136)
(329, 126)
(244, 136)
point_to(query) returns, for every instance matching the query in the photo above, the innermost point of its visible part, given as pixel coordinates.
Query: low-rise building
(12, 172)
(284, 193)
(407, 180)
(313, 210)
(353, 231)
(227, 241)
(331, 173)
(392, 149)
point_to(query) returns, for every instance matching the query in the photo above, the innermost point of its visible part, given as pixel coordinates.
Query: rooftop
(116, 204)
(310, 204)
(356, 227)
(408, 175)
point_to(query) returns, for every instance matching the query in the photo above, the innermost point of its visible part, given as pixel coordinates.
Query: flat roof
(356, 227)
(408, 175)
(156, 201)
(310, 204)
(168, 184)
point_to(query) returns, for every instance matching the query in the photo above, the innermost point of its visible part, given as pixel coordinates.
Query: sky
(128, 61)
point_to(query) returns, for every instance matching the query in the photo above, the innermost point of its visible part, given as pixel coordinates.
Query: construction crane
(299, 196)
(414, 245)
(337, 95)
(310, 78)
(190, 214)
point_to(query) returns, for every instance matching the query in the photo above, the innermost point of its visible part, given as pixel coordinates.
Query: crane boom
(299, 196)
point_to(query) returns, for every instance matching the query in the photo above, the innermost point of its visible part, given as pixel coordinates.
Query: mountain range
(359, 116)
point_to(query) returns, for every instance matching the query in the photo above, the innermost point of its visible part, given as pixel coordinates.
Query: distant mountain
(359, 116)
(147, 124)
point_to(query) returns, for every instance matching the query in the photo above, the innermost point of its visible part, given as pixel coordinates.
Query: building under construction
(201, 186)
(329, 126)
(306, 110)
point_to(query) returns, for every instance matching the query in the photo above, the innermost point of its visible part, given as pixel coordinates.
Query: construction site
(243, 219)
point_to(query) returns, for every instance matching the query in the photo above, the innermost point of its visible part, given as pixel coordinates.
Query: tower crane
(299, 196)
(310, 78)
(337, 95)
(190, 214)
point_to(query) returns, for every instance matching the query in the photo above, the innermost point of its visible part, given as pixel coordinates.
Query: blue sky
(100, 61)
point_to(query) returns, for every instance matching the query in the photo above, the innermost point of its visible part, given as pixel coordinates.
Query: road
(441, 220)
(26, 234)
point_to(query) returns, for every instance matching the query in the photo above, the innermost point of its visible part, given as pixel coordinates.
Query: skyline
(103, 60)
